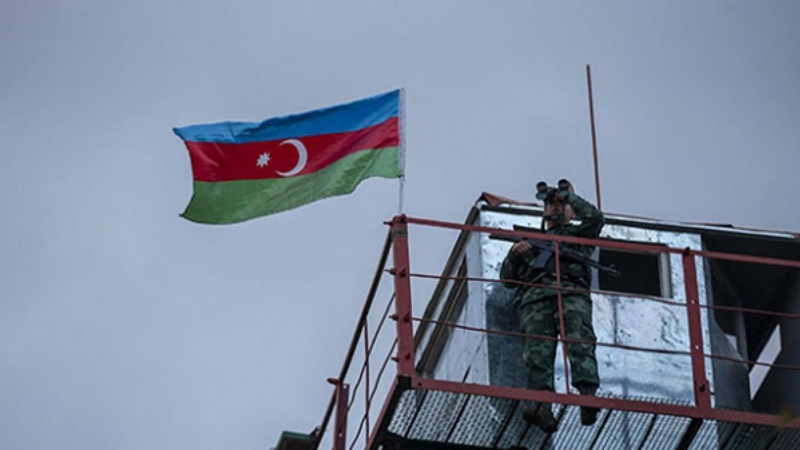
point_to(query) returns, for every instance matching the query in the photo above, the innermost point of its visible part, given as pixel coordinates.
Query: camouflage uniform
(538, 305)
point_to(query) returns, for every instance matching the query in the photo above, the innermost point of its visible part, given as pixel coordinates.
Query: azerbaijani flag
(247, 170)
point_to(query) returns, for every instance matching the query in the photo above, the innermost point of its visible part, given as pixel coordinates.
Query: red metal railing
(346, 434)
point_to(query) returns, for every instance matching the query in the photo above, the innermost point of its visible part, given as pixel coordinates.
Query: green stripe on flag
(237, 201)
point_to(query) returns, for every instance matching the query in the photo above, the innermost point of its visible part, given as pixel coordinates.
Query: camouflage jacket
(573, 274)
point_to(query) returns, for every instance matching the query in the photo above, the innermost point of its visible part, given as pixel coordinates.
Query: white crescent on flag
(301, 160)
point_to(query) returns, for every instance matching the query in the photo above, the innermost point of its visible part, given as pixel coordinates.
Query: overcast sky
(123, 326)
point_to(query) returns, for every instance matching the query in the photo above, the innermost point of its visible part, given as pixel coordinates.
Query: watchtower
(698, 342)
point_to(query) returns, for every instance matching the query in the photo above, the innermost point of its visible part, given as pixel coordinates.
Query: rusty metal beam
(702, 393)
(614, 245)
(357, 333)
(402, 287)
(340, 422)
(689, 411)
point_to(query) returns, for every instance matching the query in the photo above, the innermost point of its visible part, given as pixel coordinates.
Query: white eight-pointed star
(263, 160)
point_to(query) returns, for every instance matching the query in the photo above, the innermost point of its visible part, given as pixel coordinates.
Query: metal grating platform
(431, 419)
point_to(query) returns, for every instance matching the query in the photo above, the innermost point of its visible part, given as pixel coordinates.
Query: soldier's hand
(521, 247)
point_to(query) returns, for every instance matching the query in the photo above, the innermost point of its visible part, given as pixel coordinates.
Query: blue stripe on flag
(334, 119)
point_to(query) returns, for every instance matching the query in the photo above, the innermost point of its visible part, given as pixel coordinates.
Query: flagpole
(594, 136)
(401, 113)
(400, 195)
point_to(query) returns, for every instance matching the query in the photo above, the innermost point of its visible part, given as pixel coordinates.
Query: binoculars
(547, 193)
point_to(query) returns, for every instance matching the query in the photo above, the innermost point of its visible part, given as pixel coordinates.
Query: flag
(246, 170)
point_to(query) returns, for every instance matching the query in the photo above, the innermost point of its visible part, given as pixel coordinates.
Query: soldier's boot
(588, 414)
(540, 415)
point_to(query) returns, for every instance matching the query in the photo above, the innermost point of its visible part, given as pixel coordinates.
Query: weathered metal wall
(464, 357)
(780, 391)
(618, 319)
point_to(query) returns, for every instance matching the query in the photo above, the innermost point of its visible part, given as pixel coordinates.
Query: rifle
(547, 251)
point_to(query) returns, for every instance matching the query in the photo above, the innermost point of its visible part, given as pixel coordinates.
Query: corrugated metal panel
(572, 434)
(481, 423)
(706, 437)
(748, 437)
(666, 433)
(788, 439)
(403, 415)
(534, 438)
(515, 429)
(486, 422)
(626, 431)
(436, 416)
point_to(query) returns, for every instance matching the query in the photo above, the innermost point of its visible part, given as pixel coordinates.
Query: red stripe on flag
(214, 161)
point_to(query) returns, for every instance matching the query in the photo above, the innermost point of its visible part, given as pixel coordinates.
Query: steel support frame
(402, 283)
(399, 385)
(689, 411)
(340, 421)
(407, 378)
(613, 245)
(702, 393)
(561, 330)
(330, 411)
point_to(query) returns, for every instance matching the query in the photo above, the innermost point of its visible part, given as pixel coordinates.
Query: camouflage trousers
(540, 317)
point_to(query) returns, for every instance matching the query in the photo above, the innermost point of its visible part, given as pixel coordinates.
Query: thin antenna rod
(594, 137)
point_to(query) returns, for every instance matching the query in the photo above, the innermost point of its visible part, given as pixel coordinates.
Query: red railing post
(402, 289)
(702, 393)
(367, 351)
(560, 301)
(340, 421)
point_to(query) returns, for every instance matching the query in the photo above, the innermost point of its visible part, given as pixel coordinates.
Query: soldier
(538, 305)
